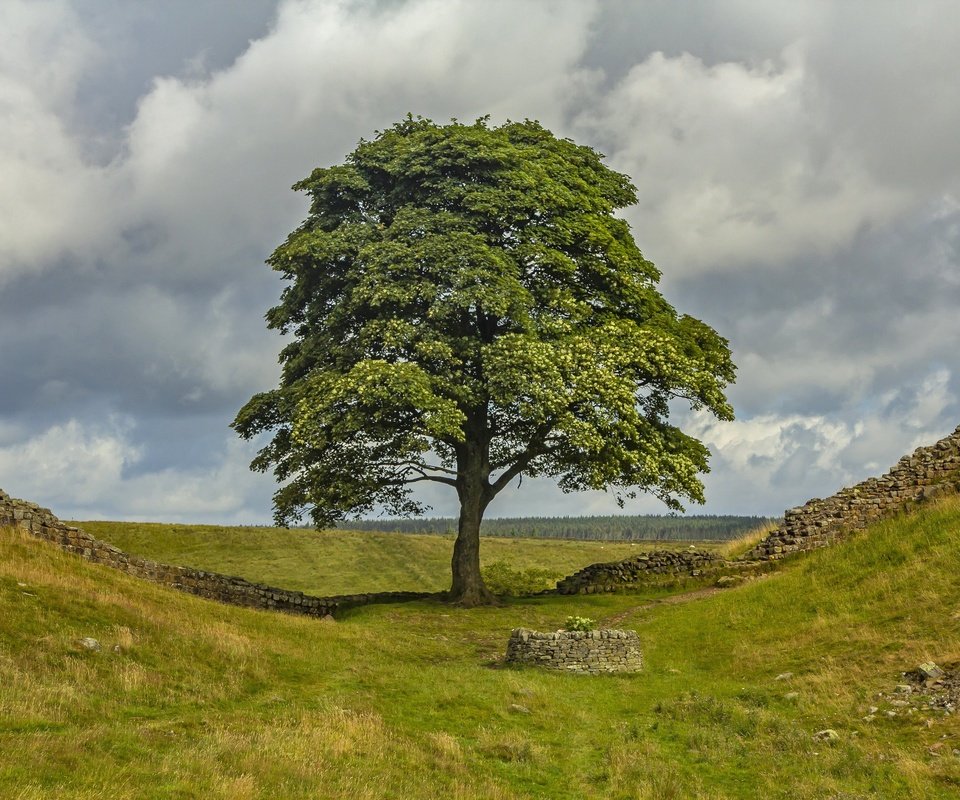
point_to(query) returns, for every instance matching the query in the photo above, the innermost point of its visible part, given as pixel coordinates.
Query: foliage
(505, 581)
(464, 307)
(579, 624)
(626, 527)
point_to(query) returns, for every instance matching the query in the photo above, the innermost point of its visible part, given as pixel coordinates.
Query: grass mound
(343, 562)
(187, 698)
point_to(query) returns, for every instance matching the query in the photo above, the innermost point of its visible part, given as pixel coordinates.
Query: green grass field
(191, 699)
(343, 562)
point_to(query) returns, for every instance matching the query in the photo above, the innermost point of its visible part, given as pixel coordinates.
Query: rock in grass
(784, 676)
(726, 581)
(516, 708)
(88, 643)
(826, 735)
(928, 671)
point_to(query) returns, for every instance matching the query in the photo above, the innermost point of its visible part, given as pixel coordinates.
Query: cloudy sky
(797, 164)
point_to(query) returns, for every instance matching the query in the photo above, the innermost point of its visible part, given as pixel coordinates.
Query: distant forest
(612, 528)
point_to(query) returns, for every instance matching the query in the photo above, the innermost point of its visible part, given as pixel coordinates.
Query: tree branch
(536, 447)
(434, 478)
(412, 466)
(417, 465)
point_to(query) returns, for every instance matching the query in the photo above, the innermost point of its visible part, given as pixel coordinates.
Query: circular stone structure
(590, 652)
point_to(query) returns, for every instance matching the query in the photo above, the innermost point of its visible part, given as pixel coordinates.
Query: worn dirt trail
(672, 600)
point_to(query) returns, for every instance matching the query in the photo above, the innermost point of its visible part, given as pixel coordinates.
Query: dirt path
(671, 600)
(675, 600)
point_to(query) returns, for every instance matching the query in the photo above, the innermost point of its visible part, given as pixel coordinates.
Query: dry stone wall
(641, 570)
(590, 652)
(928, 473)
(41, 522)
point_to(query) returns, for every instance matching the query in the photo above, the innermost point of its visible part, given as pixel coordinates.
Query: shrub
(579, 624)
(503, 580)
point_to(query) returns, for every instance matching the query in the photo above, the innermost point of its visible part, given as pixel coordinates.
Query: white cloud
(51, 201)
(83, 471)
(211, 160)
(68, 462)
(44, 49)
(202, 178)
(771, 462)
(734, 163)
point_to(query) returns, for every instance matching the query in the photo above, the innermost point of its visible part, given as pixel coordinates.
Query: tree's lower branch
(536, 447)
(418, 466)
(420, 479)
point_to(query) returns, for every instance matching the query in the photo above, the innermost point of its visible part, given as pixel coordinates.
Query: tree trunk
(468, 588)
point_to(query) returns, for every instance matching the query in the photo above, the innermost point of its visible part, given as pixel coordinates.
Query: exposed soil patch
(921, 692)
(940, 692)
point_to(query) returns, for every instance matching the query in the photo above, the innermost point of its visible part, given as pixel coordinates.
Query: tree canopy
(465, 307)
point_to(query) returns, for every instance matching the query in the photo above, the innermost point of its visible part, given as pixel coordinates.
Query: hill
(187, 698)
(338, 561)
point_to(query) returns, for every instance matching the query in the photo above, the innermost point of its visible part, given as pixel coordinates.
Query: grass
(734, 548)
(342, 562)
(190, 699)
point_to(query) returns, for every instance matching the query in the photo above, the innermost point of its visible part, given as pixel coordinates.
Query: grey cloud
(156, 311)
(627, 32)
(829, 333)
(142, 351)
(797, 166)
(140, 41)
(887, 78)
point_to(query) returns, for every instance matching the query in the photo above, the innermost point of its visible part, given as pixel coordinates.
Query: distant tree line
(604, 528)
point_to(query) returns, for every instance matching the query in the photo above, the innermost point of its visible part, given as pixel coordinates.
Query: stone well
(590, 652)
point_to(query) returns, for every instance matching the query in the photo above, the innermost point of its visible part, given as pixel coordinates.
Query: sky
(797, 167)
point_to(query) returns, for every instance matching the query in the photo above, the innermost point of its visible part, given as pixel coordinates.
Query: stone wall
(41, 522)
(590, 652)
(928, 473)
(642, 569)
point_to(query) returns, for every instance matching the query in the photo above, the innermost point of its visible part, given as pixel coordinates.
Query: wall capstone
(41, 523)
(586, 652)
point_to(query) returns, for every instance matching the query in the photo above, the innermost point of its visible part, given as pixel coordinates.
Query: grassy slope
(202, 700)
(341, 562)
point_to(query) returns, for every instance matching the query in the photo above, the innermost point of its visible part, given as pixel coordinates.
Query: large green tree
(463, 308)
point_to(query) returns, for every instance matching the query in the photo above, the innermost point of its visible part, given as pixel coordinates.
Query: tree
(465, 309)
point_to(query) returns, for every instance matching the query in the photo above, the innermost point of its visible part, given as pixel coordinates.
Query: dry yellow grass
(742, 544)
